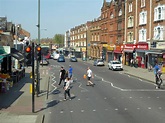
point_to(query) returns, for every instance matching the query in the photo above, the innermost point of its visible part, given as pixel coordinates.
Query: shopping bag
(84, 76)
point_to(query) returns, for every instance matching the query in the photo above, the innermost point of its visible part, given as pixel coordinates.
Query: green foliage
(59, 40)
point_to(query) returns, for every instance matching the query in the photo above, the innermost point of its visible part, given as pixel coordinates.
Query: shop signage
(118, 49)
(143, 46)
(130, 46)
(160, 45)
(83, 49)
(109, 47)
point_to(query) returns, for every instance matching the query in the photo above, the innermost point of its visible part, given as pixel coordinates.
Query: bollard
(31, 88)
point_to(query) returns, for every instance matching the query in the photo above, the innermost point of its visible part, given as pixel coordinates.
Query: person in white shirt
(67, 88)
(89, 76)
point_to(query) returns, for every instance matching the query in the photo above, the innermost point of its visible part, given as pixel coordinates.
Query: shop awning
(128, 50)
(17, 55)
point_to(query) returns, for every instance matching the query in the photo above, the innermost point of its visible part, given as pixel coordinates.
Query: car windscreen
(116, 62)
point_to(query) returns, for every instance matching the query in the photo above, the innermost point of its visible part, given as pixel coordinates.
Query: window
(130, 7)
(130, 21)
(159, 13)
(130, 37)
(158, 33)
(111, 16)
(142, 35)
(143, 18)
(142, 3)
(119, 25)
(120, 12)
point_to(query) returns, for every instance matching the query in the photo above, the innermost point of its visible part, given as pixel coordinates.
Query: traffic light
(38, 53)
(28, 54)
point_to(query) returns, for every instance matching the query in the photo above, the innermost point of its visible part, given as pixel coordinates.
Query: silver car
(115, 65)
(98, 62)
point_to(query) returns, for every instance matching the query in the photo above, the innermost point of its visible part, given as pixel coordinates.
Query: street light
(16, 34)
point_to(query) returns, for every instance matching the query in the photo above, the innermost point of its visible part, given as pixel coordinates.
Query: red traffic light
(28, 49)
(38, 48)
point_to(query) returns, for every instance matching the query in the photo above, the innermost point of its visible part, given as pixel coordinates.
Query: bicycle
(159, 80)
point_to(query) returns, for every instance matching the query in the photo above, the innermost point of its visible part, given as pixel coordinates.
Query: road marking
(82, 110)
(112, 85)
(83, 89)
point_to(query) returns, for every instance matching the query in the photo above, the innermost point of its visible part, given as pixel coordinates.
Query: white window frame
(130, 37)
(142, 35)
(130, 21)
(143, 3)
(111, 16)
(159, 33)
(130, 7)
(143, 18)
(120, 12)
(159, 13)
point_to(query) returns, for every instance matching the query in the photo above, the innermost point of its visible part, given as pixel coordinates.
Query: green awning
(1, 58)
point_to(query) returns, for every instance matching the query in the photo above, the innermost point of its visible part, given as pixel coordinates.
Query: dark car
(73, 59)
(61, 59)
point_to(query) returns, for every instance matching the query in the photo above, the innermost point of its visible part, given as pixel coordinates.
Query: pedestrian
(70, 71)
(67, 88)
(62, 75)
(89, 76)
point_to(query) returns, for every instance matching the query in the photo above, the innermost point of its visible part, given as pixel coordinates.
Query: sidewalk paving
(16, 104)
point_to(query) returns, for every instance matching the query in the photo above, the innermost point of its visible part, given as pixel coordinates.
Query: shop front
(5, 68)
(110, 53)
(18, 70)
(128, 53)
(141, 57)
(118, 53)
(156, 55)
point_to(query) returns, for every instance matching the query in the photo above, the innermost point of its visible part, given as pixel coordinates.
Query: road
(116, 98)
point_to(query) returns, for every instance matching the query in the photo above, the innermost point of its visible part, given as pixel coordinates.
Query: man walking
(89, 76)
(62, 75)
(70, 71)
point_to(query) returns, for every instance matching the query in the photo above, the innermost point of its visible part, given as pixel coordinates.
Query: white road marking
(111, 84)
(83, 89)
(82, 110)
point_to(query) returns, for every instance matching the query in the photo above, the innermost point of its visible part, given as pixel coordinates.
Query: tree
(59, 40)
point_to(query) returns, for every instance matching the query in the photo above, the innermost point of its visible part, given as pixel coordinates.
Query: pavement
(16, 104)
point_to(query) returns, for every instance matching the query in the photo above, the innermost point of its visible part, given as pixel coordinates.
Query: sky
(56, 16)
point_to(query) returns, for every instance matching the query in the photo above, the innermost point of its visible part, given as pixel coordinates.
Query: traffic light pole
(37, 69)
(33, 78)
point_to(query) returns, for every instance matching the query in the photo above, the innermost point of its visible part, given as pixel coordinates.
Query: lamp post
(16, 34)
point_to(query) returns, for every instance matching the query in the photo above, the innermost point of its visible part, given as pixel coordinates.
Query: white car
(115, 65)
(56, 56)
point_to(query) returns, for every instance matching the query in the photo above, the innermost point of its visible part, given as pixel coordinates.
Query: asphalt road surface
(116, 97)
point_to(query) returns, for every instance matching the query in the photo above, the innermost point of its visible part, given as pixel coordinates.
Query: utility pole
(33, 78)
(37, 67)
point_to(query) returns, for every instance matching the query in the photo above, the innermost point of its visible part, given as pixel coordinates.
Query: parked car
(73, 59)
(44, 61)
(115, 65)
(98, 62)
(61, 58)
